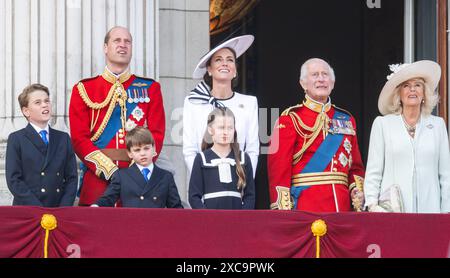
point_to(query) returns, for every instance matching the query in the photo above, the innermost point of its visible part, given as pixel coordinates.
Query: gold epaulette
(343, 110)
(145, 78)
(288, 110)
(89, 79)
(103, 164)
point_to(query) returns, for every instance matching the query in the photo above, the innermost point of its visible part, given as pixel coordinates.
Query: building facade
(59, 42)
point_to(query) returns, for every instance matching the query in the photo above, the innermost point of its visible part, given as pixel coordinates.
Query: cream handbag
(391, 199)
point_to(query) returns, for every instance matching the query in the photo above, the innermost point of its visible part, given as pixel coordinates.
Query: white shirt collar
(150, 167)
(38, 129)
(116, 75)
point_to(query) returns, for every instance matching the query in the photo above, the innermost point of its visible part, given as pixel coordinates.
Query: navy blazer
(41, 175)
(130, 186)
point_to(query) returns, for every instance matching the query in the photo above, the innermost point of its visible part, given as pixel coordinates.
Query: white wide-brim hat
(427, 70)
(238, 44)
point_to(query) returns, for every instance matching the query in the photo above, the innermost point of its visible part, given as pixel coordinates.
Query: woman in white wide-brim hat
(408, 167)
(218, 70)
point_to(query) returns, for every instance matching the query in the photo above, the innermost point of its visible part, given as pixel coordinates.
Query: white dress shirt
(149, 167)
(38, 130)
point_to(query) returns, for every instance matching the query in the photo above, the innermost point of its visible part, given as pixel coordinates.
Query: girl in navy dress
(222, 175)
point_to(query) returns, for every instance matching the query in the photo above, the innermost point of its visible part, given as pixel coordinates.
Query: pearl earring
(423, 101)
(209, 73)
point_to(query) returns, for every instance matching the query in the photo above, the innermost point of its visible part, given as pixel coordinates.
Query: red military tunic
(297, 135)
(90, 110)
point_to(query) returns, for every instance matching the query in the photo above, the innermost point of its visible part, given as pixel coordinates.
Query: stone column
(183, 39)
(57, 43)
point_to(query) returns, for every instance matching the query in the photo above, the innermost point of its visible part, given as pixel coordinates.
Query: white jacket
(195, 116)
(394, 156)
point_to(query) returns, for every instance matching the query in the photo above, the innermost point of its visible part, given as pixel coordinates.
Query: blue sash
(115, 123)
(322, 156)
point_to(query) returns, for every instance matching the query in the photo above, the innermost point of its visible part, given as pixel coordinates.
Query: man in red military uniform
(103, 108)
(314, 162)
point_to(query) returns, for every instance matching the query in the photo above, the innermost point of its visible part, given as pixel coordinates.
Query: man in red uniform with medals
(102, 110)
(314, 162)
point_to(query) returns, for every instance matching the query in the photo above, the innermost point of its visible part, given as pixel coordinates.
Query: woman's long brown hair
(207, 141)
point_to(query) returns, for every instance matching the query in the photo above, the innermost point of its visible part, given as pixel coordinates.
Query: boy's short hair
(25, 95)
(138, 136)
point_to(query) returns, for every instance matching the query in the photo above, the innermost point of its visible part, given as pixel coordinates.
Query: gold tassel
(48, 222)
(319, 229)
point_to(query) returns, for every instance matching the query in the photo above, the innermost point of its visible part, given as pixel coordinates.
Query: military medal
(130, 124)
(341, 127)
(343, 159)
(136, 99)
(141, 96)
(147, 99)
(347, 145)
(130, 97)
(137, 113)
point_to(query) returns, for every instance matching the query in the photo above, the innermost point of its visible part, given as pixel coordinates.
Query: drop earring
(209, 73)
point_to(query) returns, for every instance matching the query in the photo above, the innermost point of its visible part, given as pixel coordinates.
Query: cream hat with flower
(427, 70)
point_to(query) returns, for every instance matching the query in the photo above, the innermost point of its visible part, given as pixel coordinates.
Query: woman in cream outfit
(409, 147)
(218, 70)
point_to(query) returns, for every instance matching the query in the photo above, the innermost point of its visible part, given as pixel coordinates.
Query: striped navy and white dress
(206, 191)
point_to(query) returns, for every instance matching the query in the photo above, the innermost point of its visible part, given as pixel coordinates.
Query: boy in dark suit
(142, 185)
(40, 165)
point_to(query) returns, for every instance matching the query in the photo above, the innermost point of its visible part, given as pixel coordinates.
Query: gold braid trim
(321, 124)
(119, 96)
(103, 163)
(358, 183)
(105, 121)
(108, 76)
(116, 94)
(89, 102)
(284, 200)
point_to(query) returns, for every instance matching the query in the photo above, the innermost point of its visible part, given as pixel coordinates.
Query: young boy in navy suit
(142, 185)
(40, 165)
